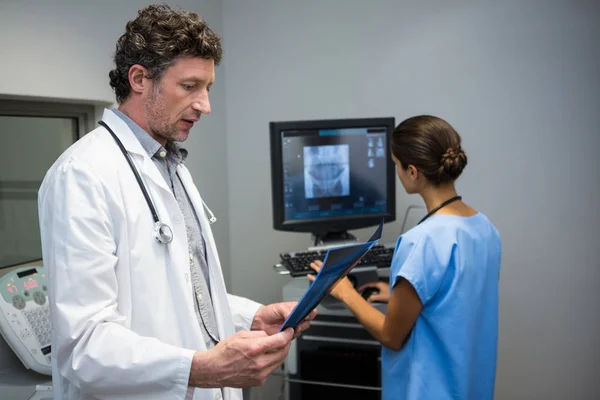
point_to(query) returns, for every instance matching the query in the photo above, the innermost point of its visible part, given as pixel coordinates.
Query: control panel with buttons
(25, 317)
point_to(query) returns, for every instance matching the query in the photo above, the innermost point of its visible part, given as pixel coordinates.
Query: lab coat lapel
(145, 166)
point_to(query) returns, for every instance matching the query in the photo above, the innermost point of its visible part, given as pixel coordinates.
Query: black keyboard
(298, 263)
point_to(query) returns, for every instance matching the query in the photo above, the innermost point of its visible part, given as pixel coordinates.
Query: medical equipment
(162, 232)
(336, 358)
(332, 176)
(25, 317)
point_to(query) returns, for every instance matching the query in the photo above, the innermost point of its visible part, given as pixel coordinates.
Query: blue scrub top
(453, 263)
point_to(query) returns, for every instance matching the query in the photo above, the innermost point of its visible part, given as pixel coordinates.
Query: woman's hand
(341, 289)
(384, 291)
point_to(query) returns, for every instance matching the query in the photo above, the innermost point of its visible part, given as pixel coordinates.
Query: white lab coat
(121, 304)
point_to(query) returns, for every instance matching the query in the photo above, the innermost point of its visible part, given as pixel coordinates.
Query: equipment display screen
(334, 172)
(25, 273)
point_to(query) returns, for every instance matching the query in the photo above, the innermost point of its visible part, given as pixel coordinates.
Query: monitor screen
(332, 175)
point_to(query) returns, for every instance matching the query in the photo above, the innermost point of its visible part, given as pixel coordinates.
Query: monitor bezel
(329, 224)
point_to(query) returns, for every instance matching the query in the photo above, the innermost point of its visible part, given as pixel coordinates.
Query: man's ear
(138, 78)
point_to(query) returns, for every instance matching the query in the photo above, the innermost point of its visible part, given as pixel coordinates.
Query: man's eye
(188, 87)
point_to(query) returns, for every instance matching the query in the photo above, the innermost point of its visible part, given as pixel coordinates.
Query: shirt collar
(175, 153)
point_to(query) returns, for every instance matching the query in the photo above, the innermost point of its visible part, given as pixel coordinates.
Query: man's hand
(243, 360)
(270, 318)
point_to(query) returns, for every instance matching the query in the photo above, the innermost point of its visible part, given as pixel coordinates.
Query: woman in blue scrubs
(440, 330)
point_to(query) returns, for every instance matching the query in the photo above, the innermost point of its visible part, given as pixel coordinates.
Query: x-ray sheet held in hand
(337, 264)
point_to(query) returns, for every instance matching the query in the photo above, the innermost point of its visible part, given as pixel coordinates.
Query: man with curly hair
(135, 317)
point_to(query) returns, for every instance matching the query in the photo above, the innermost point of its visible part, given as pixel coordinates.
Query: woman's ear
(413, 172)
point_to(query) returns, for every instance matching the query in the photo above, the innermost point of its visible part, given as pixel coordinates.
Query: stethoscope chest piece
(162, 233)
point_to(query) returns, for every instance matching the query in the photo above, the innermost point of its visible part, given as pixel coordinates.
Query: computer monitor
(329, 176)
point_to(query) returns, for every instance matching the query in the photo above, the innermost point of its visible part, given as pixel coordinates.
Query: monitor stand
(324, 241)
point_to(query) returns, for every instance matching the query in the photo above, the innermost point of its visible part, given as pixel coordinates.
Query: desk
(335, 358)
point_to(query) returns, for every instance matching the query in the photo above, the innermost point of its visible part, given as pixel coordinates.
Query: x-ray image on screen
(326, 171)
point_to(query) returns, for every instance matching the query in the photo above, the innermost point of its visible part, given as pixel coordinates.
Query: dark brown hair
(156, 38)
(432, 146)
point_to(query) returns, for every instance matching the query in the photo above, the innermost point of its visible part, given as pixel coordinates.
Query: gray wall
(518, 79)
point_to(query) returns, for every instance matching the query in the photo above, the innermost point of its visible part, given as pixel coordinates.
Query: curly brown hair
(156, 38)
(432, 146)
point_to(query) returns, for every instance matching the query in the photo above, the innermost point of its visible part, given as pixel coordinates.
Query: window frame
(83, 113)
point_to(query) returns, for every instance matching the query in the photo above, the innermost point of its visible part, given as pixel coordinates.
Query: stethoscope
(162, 232)
(444, 204)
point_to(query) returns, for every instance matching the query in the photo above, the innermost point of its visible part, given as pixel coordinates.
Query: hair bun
(453, 161)
(452, 154)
